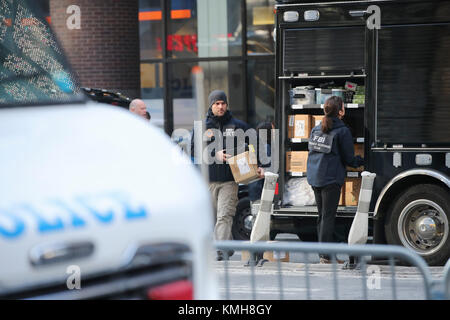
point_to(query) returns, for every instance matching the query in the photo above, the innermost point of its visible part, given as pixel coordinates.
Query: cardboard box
(342, 197)
(272, 256)
(296, 161)
(359, 151)
(299, 126)
(352, 188)
(316, 120)
(244, 167)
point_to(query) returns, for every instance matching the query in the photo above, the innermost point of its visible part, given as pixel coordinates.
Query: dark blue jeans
(327, 200)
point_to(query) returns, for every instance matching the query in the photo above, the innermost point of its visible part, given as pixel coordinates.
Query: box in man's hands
(244, 166)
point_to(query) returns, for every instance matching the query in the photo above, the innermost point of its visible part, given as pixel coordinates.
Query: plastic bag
(298, 192)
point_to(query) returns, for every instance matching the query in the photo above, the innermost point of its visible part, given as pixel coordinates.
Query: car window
(33, 69)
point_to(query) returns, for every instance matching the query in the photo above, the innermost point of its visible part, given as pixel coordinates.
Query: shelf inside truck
(302, 76)
(320, 106)
(342, 211)
(296, 174)
(304, 140)
(350, 174)
(299, 140)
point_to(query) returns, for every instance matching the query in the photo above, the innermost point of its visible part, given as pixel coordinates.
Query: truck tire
(242, 221)
(419, 219)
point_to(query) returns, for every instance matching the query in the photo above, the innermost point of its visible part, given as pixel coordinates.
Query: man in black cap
(223, 188)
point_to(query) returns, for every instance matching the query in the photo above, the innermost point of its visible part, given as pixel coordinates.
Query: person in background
(330, 151)
(223, 188)
(255, 188)
(138, 107)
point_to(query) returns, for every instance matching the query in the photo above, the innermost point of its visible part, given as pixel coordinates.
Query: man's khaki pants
(225, 199)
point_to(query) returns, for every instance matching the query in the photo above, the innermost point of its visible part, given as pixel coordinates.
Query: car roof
(98, 164)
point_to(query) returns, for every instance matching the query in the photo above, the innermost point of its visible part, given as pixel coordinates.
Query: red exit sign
(180, 43)
(187, 42)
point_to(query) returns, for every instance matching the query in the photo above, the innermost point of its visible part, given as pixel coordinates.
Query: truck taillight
(179, 290)
(276, 189)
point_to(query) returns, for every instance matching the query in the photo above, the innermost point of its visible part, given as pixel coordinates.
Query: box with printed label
(299, 126)
(296, 161)
(316, 120)
(272, 256)
(352, 188)
(342, 197)
(359, 151)
(244, 166)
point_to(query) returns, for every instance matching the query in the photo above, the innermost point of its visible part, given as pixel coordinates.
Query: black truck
(397, 54)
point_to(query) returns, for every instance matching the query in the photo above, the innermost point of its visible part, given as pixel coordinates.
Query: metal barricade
(446, 280)
(393, 254)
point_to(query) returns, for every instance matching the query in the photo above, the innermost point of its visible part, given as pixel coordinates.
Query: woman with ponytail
(330, 151)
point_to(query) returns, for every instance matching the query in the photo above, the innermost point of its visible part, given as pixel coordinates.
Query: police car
(88, 211)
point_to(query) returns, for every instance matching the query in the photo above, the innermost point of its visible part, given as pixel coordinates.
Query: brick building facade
(104, 51)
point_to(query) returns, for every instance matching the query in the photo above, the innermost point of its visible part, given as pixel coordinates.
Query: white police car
(93, 202)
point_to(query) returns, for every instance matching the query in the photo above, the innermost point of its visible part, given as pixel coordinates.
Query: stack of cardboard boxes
(316, 120)
(351, 191)
(353, 185)
(296, 161)
(299, 127)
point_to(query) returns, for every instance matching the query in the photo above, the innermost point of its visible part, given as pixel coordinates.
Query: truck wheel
(242, 221)
(419, 219)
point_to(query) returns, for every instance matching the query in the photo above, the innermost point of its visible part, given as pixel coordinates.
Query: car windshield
(33, 69)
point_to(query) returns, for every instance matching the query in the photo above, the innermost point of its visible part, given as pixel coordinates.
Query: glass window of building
(222, 75)
(151, 35)
(152, 91)
(150, 29)
(260, 27)
(260, 90)
(207, 33)
(204, 28)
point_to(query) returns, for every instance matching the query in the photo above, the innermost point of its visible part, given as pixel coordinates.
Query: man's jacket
(227, 124)
(328, 168)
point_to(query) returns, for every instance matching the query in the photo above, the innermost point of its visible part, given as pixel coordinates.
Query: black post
(244, 57)
(168, 101)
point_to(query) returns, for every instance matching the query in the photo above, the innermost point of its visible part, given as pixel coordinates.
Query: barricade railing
(390, 253)
(446, 280)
